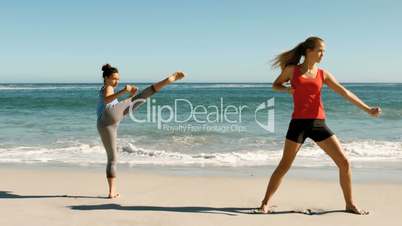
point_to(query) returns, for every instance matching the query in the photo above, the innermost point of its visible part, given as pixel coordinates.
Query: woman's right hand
(130, 89)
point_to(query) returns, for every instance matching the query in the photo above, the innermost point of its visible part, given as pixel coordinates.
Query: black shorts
(300, 129)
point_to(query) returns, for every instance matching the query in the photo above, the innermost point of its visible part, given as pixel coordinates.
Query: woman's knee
(344, 164)
(282, 168)
(287, 159)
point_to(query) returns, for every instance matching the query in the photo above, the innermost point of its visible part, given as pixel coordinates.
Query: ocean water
(56, 124)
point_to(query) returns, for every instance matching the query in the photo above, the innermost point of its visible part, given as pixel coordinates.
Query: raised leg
(134, 102)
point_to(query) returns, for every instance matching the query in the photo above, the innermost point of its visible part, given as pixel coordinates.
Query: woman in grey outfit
(110, 112)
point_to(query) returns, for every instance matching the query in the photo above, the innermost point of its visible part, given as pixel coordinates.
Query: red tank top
(307, 103)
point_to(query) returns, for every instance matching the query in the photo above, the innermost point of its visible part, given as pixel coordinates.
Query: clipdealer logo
(202, 116)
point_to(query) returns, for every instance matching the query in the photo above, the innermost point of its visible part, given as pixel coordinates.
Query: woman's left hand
(374, 111)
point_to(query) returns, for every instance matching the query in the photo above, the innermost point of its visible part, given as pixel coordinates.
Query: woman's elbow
(275, 87)
(107, 100)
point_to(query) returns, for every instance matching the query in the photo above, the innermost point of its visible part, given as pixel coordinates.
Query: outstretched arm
(332, 83)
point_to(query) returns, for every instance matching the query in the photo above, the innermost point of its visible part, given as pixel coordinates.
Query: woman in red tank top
(308, 117)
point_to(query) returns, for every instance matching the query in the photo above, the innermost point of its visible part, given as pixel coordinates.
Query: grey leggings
(109, 121)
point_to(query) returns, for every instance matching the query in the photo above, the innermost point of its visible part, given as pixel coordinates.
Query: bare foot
(176, 76)
(353, 209)
(112, 196)
(263, 209)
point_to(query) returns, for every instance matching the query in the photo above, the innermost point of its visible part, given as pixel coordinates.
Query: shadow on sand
(232, 211)
(11, 195)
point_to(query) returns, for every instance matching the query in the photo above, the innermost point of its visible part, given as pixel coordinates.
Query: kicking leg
(139, 99)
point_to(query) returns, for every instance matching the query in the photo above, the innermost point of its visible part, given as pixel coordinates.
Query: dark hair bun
(106, 67)
(108, 70)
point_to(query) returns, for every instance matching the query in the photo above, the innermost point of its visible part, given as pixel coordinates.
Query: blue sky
(213, 41)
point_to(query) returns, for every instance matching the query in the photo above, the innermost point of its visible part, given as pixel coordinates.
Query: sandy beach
(63, 196)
